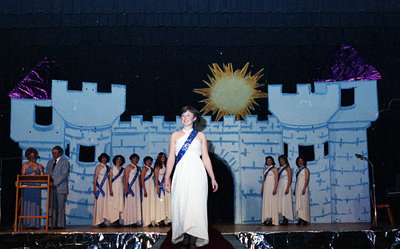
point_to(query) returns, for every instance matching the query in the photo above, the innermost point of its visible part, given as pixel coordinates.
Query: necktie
(54, 164)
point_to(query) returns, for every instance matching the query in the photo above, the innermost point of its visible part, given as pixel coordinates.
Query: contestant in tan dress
(285, 190)
(189, 183)
(270, 207)
(116, 194)
(132, 215)
(100, 190)
(302, 192)
(163, 203)
(149, 193)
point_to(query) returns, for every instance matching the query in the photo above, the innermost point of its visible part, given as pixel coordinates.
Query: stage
(343, 235)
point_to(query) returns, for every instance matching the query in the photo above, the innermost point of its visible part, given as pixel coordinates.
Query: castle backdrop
(319, 124)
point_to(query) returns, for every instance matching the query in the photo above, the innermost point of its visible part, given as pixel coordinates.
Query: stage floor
(342, 235)
(223, 228)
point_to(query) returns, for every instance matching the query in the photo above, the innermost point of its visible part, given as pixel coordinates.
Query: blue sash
(145, 179)
(132, 182)
(266, 172)
(298, 172)
(119, 173)
(100, 186)
(281, 171)
(185, 146)
(148, 177)
(161, 186)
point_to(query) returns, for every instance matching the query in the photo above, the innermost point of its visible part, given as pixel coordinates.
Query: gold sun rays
(231, 92)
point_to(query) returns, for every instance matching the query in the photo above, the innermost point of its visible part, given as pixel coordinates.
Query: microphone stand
(375, 227)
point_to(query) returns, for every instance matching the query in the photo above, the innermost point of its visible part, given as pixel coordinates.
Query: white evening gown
(116, 202)
(285, 200)
(270, 207)
(189, 195)
(149, 202)
(100, 204)
(133, 206)
(160, 200)
(302, 201)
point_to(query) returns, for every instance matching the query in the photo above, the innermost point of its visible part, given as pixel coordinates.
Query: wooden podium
(45, 182)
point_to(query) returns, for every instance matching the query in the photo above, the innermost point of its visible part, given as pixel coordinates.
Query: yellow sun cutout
(231, 92)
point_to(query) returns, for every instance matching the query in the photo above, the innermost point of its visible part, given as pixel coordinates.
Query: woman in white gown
(100, 190)
(149, 193)
(132, 215)
(285, 190)
(302, 192)
(163, 198)
(189, 185)
(115, 200)
(270, 206)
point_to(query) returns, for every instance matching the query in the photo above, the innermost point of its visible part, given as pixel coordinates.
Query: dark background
(162, 49)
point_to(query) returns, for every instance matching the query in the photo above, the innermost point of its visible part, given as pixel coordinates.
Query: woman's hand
(214, 185)
(303, 192)
(158, 191)
(167, 185)
(94, 191)
(111, 193)
(145, 193)
(274, 192)
(126, 190)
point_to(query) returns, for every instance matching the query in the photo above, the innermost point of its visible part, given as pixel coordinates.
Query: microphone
(361, 157)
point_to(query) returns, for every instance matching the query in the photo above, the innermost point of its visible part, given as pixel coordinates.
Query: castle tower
(304, 117)
(347, 136)
(88, 116)
(33, 123)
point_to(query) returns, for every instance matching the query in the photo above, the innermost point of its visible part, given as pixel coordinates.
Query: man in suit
(58, 169)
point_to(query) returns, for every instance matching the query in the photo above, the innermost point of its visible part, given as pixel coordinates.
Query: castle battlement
(300, 108)
(88, 107)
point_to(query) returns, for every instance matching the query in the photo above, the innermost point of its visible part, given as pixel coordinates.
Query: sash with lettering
(281, 171)
(119, 173)
(185, 146)
(298, 172)
(132, 182)
(268, 170)
(100, 186)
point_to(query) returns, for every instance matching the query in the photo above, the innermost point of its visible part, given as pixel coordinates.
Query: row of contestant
(135, 197)
(277, 192)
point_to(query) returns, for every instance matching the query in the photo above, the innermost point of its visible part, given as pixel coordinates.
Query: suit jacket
(59, 175)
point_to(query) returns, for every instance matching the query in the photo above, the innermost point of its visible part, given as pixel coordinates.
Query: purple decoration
(37, 84)
(346, 65)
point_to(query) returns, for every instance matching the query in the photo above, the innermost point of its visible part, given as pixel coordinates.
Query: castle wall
(319, 185)
(338, 183)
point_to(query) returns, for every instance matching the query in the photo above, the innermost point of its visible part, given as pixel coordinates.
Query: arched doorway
(221, 203)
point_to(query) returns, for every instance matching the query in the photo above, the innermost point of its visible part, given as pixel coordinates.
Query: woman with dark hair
(149, 193)
(100, 190)
(132, 215)
(115, 200)
(163, 198)
(189, 186)
(270, 207)
(31, 204)
(285, 190)
(302, 192)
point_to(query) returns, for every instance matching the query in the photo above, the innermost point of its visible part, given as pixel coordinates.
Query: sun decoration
(231, 92)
